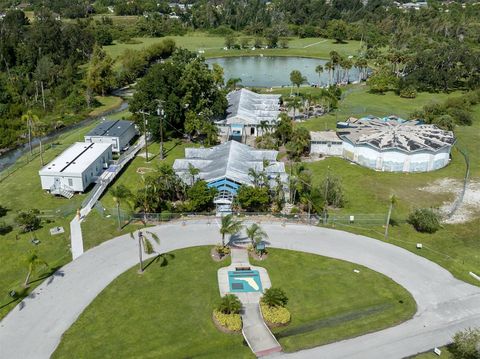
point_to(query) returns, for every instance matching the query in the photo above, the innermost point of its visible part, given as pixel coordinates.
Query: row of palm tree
(231, 226)
(340, 66)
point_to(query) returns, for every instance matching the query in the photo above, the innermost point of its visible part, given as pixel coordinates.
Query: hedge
(275, 315)
(232, 322)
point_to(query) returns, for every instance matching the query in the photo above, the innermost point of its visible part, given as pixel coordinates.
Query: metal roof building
(394, 144)
(248, 111)
(226, 167)
(118, 133)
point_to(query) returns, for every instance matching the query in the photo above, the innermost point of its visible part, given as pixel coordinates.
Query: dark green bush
(275, 297)
(229, 304)
(424, 220)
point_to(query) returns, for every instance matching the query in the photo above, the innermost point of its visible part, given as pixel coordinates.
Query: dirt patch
(468, 210)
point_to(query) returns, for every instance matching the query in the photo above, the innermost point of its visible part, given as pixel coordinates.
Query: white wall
(326, 148)
(117, 142)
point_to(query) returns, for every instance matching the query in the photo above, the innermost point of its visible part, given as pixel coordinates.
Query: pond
(272, 71)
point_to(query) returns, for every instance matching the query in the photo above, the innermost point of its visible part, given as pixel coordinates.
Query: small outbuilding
(75, 168)
(392, 144)
(118, 133)
(325, 143)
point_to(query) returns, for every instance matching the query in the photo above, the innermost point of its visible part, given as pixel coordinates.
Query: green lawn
(456, 247)
(329, 302)
(431, 355)
(213, 46)
(107, 103)
(167, 311)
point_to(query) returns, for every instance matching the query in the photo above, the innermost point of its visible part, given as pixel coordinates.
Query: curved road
(445, 305)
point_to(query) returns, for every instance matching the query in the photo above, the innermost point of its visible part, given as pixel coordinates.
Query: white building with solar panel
(249, 113)
(226, 167)
(394, 145)
(75, 168)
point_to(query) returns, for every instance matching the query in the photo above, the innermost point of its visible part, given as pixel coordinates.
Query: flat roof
(330, 136)
(115, 128)
(76, 158)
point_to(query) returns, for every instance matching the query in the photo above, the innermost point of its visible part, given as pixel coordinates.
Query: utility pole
(145, 133)
(161, 113)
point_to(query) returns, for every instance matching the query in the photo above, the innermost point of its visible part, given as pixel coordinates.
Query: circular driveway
(445, 305)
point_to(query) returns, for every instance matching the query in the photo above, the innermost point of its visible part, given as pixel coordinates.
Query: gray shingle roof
(230, 160)
(391, 133)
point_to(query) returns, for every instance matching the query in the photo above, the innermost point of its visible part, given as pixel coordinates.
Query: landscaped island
(168, 310)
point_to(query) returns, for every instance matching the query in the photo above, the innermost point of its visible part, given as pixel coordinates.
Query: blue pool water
(244, 281)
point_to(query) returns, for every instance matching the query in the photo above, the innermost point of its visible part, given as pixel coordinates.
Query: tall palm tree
(39, 130)
(264, 126)
(255, 176)
(30, 119)
(329, 66)
(229, 226)
(145, 245)
(319, 71)
(256, 234)
(33, 261)
(347, 66)
(119, 194)
(393, 201)
(293, 104)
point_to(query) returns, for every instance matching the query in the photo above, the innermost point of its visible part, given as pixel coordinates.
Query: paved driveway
(445, 305)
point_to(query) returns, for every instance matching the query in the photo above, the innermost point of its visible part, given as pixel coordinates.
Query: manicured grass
(108, 103)
(431, 355)
(165, 313)
(213, 46)
(329, 302)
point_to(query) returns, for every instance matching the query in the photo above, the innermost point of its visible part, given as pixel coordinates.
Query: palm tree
(256, 234)
(33, 261)
(347, 65)
(30, 118)
(297, 79)
(39, 130)
(229, 226)
(229, 304)
(393, 201)
(119, 193)
(193, 171)
(329, 66)
(264, 126)
(319, 70)
(275, 297)
(255, 176)
(293, 104)
(145, 245)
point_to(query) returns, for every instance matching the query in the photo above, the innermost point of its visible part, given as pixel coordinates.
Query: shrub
(408, 92)
(466, 344)
(28, 220)
(222, 251)
(424, 220)
(229, 304)
(232, 322)
(3, 211)
(4, 228)
(253, 199)
(275, 297)
(275, 315)
(461, 116)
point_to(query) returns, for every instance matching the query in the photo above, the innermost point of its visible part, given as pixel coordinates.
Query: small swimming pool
(244, 281)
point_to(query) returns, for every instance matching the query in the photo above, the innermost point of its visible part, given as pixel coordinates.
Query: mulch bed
(254, 255)
(216, 257)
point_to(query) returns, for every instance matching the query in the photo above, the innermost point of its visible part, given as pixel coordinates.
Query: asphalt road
(34, 328)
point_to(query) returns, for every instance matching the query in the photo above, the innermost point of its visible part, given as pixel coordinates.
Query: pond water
(269, 71)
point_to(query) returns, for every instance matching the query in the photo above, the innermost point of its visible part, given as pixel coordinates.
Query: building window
(70, 182)
(252, 130)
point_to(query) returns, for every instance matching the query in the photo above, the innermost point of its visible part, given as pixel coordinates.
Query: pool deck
(259, 338)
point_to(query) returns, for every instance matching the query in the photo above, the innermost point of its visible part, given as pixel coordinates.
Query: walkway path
(445, 305)
(257, 335)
